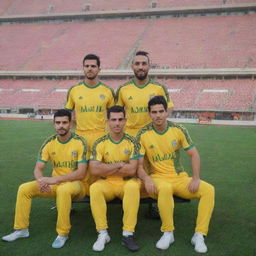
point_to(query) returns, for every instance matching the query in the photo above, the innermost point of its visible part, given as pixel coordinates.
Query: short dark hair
(157, 100)
(143, 53)
(92, 57)
(115, 109)
(62, 112)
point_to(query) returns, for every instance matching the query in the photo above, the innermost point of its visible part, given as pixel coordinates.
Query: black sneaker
(129, 243)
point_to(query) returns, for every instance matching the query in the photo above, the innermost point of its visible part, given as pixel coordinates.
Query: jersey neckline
(116, 142)
(65, 142)
(141, 87)
(161, 133)
(91, 87)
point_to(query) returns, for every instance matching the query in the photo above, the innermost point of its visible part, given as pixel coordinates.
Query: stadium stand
(194, 42)
(219, 95)
(15, 7)
(204, 95)
(202, 42)
(60, 46)
(185, 47)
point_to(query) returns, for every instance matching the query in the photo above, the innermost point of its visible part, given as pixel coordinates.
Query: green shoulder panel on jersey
(120, 87)
(163, 87)
(51, 138)
(80, 83)
(84, 143)
(101, 139)
(134, 142)
(183, 129)
(110, 88)
(146, 128)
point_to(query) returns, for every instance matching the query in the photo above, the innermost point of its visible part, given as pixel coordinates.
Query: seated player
(161, 142)
(68, 154)
(114, 160)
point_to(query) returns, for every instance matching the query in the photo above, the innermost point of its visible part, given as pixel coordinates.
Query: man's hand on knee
(45, 182)
(44, 188)
(193, 186)
(150, 186)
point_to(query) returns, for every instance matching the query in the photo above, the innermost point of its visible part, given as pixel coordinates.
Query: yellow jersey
(64, 156)
(90, 104)
(108, 151)
(162, 150)
(135, 100)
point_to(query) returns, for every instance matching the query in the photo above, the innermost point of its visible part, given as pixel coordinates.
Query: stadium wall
(178, 120)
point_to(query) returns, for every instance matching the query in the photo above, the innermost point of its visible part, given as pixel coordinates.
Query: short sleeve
(141, 147)
(83, 152)
(135, 154)
(164, 92)
(43, 155)
(97, 152)
(119, 100)
(185, 139)
(70, 102)
(111, 101)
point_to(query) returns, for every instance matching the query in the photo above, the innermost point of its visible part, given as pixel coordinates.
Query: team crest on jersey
(130, 98)
(174, 143)
(151, 146)
(151, 96)
(102, 97)
(80, 97)
(74, 153)
(107, 154)
(53, 153)
(127, 152)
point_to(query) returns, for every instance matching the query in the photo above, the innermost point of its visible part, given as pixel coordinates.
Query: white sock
(168, 233)
(103, 231)
(127, 233)
(197, 233)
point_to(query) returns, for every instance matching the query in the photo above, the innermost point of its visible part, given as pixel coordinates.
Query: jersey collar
(161, 133)
(115, 142)
(91, 87)
(141, 87)
(65, 142)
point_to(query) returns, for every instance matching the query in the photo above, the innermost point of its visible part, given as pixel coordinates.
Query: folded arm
(44, 182)
(122, 169)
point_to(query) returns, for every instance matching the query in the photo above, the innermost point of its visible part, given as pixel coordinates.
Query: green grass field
(228, 156)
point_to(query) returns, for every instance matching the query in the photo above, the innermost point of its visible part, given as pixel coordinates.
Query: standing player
(90, 99)
(114, 160)
(161, 142)
(67, 153)
(135, 94)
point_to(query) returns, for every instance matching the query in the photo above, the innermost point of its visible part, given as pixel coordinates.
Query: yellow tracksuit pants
(179, 187)
(106, 190)
(64, 193)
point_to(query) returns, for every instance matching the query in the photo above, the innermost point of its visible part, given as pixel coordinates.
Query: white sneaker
(165, 241)
(198, 241)
(59, 242)
(99, 245)
(15, 235)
